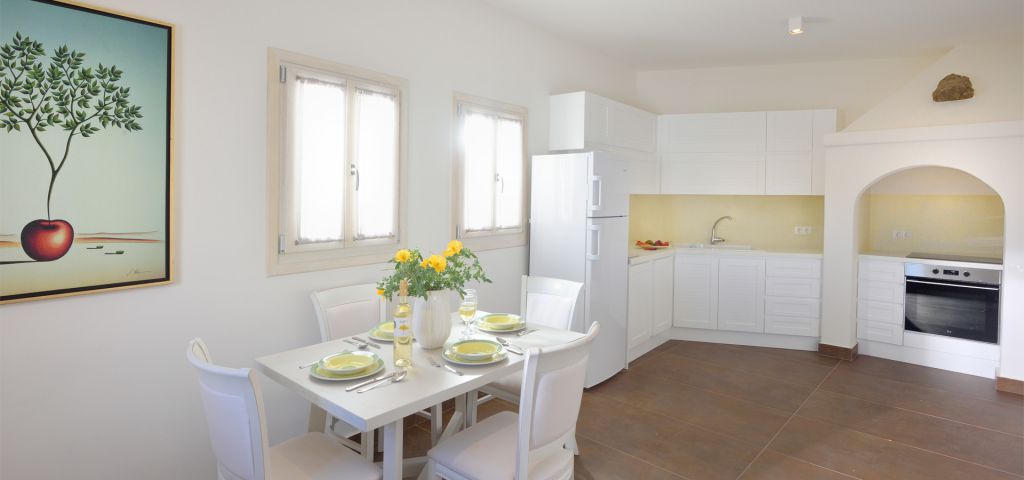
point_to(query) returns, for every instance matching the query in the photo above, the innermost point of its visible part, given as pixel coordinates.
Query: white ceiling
(661, 34)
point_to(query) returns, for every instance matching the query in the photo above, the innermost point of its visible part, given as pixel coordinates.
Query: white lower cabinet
(696, 292)
(880, 292)
(641, 308)
(748, 294)
(741, 294)
(664, 278)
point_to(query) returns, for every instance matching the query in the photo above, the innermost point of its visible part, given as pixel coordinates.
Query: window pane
(509, 152)
(478, 140)
(319, 159)
(377, 160)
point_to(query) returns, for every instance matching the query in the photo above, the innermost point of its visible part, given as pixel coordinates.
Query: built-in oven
(953, 301)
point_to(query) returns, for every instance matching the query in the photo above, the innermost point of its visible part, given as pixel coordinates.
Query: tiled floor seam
(961, 422)
(989, 467)
(605, 445)
(923, 385)
(790, 419)
(746, 372)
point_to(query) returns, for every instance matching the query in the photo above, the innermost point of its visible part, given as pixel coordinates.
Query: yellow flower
(454, 246)
(403, 256)
(437, 262)
(380, 292)
(449, 252)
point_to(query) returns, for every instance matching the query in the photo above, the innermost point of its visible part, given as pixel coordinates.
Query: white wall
(853, 87)
(127, 405)
(931, 181)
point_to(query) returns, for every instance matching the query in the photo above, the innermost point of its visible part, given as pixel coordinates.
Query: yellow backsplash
(951, 224)
(763, 221)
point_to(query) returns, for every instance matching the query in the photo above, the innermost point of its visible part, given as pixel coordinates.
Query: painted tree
(38, 93)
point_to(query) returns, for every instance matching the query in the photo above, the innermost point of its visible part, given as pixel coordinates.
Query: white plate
(483, 328)
(371, 371)
(448, 356)
(373, 334)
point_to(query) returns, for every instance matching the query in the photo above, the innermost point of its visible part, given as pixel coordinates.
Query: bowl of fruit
(653, 244)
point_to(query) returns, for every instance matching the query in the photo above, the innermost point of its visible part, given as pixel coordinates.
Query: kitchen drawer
(793, 268)
(890, 292)
(880, 332)
(786, 325)
(792, 307)
(881, 270)
(793, 287)
(882, 312)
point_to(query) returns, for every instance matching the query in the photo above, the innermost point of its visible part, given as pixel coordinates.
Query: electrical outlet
(902, 235)
(801, 230)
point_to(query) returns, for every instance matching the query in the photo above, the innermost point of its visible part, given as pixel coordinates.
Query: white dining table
(385, 407)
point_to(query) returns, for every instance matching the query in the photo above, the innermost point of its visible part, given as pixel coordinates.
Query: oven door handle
(953, 285)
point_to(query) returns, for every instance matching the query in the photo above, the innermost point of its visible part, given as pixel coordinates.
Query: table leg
(471, 407)
(317, 419)
(393, 450)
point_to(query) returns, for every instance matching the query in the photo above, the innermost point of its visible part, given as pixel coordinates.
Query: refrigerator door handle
(596, 193)
(594, 250)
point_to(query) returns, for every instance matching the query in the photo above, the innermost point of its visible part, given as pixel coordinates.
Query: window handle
(499, 179)
(354, 172)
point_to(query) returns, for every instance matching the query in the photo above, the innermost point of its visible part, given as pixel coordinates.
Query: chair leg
(471, 408)
(436, 423)
(570, 444)
(366, 444)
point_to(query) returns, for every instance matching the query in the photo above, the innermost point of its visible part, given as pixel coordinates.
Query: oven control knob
(935, 271)
(967, 274)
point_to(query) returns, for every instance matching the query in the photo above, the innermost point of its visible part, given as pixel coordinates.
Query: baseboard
(980, 367)
(833, 351)
(1010, 385)
(790, 342)
(642, 349)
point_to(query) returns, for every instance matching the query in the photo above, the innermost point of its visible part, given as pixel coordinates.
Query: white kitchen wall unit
(585, 121)
(792, 304)
(650, 302)
(746, 153)
(880, 291)
(741, 294)
(696, 292)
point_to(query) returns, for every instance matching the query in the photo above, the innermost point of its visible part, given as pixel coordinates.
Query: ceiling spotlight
(796, 25)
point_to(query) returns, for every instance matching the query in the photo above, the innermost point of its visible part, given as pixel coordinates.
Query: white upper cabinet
(582, 120)
(790, 131)
(788, 173)
(742, 132)
(712, 173)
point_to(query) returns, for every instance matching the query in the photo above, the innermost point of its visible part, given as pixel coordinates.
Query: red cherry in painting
(46, 240)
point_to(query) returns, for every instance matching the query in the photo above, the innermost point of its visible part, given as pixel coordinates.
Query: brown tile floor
(698, 411)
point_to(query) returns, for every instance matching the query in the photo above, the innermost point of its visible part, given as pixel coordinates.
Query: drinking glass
(467, 310)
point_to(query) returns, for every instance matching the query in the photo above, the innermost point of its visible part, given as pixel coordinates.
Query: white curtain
(319, 153)
(509, 161)
(478, 180)
(376, 158)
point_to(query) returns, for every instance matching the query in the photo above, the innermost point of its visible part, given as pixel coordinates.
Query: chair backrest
(549, 402)
(346, 311)
(549, 301)
(234, 416)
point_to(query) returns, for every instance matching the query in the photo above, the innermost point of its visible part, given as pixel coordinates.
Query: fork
(524, 332)
(509, 346)
(444, 366)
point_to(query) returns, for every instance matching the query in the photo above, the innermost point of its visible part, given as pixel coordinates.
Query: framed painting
(85, 150)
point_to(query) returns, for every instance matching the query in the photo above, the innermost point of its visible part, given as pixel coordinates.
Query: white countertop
(902, 257)
(637, 255)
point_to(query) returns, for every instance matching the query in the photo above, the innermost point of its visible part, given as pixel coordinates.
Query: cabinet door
(640, 303)
(788, 173)
(662, 289)
(742, 132)
(631, 128)
(696, 292)
(712, 173)
(595, 120)
(790, 131)
(741, 294)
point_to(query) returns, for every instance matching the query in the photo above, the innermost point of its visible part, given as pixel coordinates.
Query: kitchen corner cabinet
(585, 121)
(649, 300)
(757, 294)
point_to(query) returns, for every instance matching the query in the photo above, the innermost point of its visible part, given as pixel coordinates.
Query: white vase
(432, 319)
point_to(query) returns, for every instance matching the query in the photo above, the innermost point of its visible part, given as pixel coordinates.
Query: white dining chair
(530, 444)
(354, 310)
(238, 432)
(550, 302)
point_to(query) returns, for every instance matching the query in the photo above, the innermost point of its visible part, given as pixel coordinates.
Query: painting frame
(166, 238)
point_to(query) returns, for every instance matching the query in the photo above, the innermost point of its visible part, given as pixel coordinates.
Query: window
(490, 173)
(335, 156)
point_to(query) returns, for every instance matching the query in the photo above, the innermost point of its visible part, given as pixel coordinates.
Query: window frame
(495, 238)
(350, 251)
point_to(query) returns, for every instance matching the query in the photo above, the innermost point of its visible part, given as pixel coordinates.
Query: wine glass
(467, 310)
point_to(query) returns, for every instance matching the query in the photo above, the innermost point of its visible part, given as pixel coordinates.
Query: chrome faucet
(715, 239)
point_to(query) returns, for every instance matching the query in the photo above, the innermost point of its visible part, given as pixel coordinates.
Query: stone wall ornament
(953, 87)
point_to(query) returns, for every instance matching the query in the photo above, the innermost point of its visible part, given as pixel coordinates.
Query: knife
(363, 384)
(371, 344)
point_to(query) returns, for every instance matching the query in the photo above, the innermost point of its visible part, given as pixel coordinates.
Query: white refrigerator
(579, 228)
